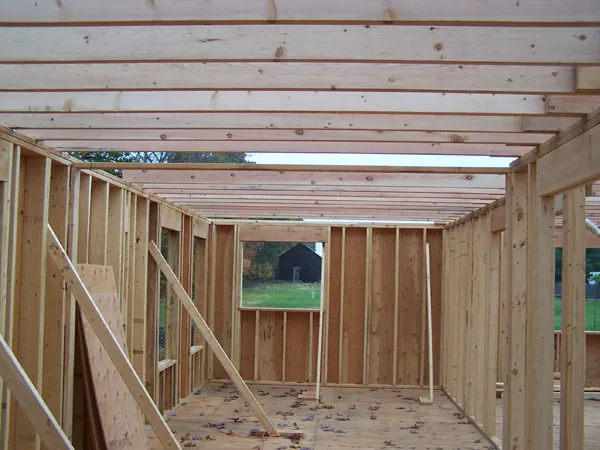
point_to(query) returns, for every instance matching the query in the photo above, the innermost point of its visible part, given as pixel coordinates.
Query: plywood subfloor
(376, 419)
(591, 419)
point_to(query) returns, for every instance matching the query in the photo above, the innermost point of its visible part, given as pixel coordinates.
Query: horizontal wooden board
(545, 123)
(389, 148)
(587, 78)
(243, 101)
(237, 177)
(310, 10)
(301, 42)
(294, 75)
(282, 233)
(574, 104)
(169, 218)
(297, 134)
(508, 124)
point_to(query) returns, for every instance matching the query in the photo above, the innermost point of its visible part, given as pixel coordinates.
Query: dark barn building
(300, 264)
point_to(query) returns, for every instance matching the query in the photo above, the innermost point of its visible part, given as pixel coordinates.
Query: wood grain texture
(247, 333)
(222, 328)
(297, 347)
(270, 348)
(127, 429)
(333, 307)
(382, 307)
(354, 306)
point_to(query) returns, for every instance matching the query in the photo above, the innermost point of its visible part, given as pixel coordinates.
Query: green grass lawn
(592, 314)
(277, 294)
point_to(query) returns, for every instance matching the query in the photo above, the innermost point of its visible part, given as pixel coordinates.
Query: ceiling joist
(446, 44)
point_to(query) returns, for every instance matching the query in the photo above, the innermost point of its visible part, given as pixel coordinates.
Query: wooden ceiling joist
(341, 121)
(389, 148)
(292, 76)
(281, 101)
(297, 134)
(483, 44)
(317, 178)
(73, 11)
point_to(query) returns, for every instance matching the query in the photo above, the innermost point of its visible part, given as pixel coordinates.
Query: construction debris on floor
(216, 417)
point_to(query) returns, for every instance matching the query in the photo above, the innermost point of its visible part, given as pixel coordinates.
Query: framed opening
(282, 275)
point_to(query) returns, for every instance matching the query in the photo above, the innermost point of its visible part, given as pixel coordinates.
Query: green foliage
(592, 262)
(161, 157)
(261, 259)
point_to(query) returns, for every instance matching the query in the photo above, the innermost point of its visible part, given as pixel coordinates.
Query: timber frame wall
(491, 271)
(100, 220)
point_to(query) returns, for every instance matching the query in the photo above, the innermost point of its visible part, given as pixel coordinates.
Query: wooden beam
(389, 148)
(110, 344)
(516, 291)
(288, 168)
(284, 101)
(572, 164)
(572, 104)
(395, 11)
(140, 280)
(572, 362)
(550, 45)
(211, 340)
(273, 120)
(56, 316)
(539, 367)
(282, 233)
(108, 135)
(238, 177)
(587, 78)
(30, 400)
(28, 325)
(294, 75)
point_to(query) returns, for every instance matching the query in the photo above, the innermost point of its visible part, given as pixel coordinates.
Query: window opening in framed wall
(168, 312)
(282, 275)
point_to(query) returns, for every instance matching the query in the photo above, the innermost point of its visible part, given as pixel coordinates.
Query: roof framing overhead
(462, 77)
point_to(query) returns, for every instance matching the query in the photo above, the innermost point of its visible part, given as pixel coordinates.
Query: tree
(161, 157)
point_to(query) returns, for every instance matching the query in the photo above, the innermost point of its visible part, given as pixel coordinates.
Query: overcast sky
(379, 160)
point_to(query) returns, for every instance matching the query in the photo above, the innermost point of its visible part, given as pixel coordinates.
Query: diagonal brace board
(110, 343)
(30, 400)
(211, 340)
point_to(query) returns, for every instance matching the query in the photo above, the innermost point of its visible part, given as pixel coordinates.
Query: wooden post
(516, 292)
(141, 287)
(28, 332)
(30, 401)
(540, 316)
(55, 320)
(152, 307)
(211, 340)
(572, 381)
(111, 345)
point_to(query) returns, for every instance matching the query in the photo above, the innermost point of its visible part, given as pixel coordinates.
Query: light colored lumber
(292, 101)
(30, 400)
(286, 168)
(572, 164)
(50, 135)
(282, 233)
(211, 340)
(463, 44)
(290, 75)
(429, 400)
(391, 148)
(540, 319)
(516, 292)
(30, 294)
(572, 361)
(572, 104)
(587, 78)
(107, 338)
(56, 319)
(318, 179)
(289, 10)
(127, 427)
(169, 218)
(273, 120)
